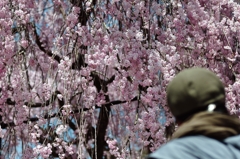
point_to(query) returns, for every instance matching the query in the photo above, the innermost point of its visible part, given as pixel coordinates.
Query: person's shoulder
(190, 147)
(171, 149)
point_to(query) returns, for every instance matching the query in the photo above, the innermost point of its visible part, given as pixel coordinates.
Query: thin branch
(47, 116)
(39, 44)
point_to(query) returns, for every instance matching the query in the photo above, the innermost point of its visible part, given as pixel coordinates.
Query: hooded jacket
(199, 147)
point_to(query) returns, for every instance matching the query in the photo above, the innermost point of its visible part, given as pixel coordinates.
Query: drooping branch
(37, 105)
(47, 116)
(40, 45)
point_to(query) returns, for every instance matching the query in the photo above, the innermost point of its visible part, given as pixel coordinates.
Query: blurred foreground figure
(196, 98)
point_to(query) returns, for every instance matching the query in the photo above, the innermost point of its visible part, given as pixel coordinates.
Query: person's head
(195, 90)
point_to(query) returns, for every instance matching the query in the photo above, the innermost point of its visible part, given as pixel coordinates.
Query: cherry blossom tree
(87, 79)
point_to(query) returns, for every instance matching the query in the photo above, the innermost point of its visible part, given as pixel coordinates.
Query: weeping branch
(43, 49)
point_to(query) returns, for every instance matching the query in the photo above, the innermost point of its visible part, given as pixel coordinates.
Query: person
(206, 130)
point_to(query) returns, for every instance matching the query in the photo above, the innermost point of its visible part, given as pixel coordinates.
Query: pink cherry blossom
(74, 76)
